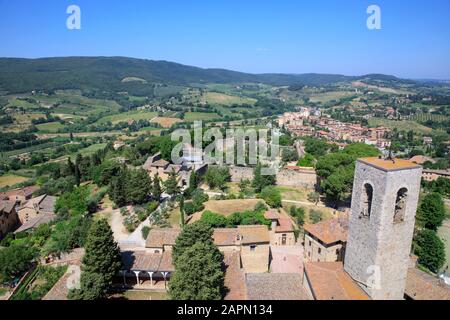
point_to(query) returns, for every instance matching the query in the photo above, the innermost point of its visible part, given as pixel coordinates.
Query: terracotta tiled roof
(160, 163)
(329, 281)
(234, 277)
(26, 191)
(145, 261)
(35, 222)
(284, 225)
(165, 264)
(422, 286)
(388, 165)
(329, 231)
(172, 167)
(7, 206)
(272, 214)
(225, 236)
(254, 234)
(43, 203)
(140, 260)
(159, 237)
(275, 286)
(421, 159)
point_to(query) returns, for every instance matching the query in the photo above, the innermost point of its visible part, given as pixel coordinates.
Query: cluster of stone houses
(358, 256)
(302, 124)
(191, 161)
(20, 211)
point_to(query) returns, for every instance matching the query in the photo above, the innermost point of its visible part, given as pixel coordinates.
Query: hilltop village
(287, 236)
(98, 201)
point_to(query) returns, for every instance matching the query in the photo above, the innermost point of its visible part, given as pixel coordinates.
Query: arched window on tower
(400, 205)
(367, 200)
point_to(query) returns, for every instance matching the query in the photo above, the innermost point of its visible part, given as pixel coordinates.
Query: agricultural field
(400, 125)
(49, 127)
(10, 180)
(329, 96)
(225, 99)
(194, 116)
(126, 116)
(422, 117)
(166, 122)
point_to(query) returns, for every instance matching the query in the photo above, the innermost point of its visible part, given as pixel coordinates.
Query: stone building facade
(384, 203)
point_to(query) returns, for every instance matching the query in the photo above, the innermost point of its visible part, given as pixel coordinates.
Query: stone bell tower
(383, 209)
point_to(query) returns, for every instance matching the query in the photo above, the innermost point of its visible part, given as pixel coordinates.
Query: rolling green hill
(112, 74)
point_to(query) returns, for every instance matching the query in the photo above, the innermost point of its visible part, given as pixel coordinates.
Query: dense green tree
(156, 188)
(138, 187)
(199, 274)
(431, 211)
(15, 260)
(182, 220)
(216, 177)
(272, 196)
(101, 262)
(214, 220)
(171, 185)
(306, 161)
(75, 201)
(260, 181)
(313, 197)
(192, 233)
(430, 250)
(315, 216)
(298, 214)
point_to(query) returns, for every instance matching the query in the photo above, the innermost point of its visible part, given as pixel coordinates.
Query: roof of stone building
(419, 159)
(140, 260)
(272, 214)
(254, 234)
(25, 191)
(35, 222)
(159, 237)
(160, 163)
(234, 277)
(166, 263)
(284, 225)
(438, 172)
(275, 286)
(329, 281)
(329, 231)
(172, 167)
(146, 261)
(148, 163)
(6, 206)
(423, 286)
(225, 236)
(389, 165)
(44, 203)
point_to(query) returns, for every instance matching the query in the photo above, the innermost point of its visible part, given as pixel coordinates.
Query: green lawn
(126, 116)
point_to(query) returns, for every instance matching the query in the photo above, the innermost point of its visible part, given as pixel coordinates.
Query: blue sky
(288, 36)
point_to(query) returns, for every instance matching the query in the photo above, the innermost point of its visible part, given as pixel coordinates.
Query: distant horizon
(284, 36)
(218, 68)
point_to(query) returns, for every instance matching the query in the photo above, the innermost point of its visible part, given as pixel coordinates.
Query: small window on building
(310, 243)
(366, 206)
(252, 247)
(319, 250)
(337, 252)
(400, 205)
